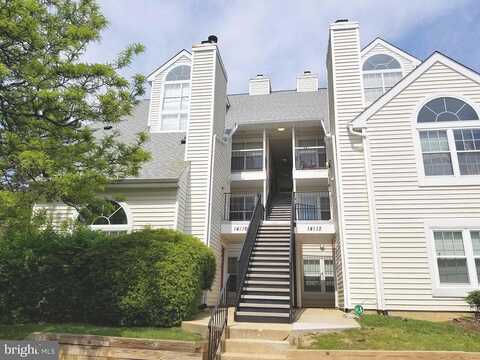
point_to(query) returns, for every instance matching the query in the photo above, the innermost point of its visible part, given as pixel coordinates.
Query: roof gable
(168, 63)
(385, 44)
(361, 120)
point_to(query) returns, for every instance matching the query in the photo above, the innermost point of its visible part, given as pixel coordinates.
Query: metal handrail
(248, 244)
(293, 295)
(218, 322)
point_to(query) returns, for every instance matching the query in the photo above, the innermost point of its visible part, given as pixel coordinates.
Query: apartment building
(366, 192)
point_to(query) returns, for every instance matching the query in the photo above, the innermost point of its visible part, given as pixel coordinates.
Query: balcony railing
(239, 206)
(312, 205)
(310, 158)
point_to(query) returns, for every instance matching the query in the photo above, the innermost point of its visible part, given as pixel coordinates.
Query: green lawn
(393, 333)
(18, 332)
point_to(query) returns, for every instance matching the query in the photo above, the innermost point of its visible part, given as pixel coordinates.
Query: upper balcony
(310, 157)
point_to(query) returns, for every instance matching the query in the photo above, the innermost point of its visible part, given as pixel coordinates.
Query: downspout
(373, 218)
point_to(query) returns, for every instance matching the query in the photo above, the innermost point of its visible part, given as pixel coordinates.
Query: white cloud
(278, 38)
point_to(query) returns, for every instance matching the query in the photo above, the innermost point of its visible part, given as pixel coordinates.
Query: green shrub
(473, 299)
(150, 277)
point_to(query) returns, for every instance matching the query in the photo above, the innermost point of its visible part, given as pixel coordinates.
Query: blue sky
(281, 39)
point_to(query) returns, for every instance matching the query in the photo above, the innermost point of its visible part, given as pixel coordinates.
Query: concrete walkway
(309, 320)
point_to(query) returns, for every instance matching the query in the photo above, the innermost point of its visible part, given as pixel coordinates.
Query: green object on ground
(393, 333)
(19, 332)
(358, 310)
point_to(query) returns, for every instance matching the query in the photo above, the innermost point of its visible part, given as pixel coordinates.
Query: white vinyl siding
(155, 208)
(356, 233)
(182, 200)
(402, 204)
(206, 153)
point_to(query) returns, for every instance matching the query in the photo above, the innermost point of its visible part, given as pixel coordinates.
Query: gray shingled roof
(277, 107)
(167, 152)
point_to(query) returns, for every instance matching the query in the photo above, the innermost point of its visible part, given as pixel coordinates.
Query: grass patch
(393, 333)
(19, 332)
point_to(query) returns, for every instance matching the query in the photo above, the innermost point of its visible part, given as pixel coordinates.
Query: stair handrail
(293, 295)
(218, 321)
(248, 244)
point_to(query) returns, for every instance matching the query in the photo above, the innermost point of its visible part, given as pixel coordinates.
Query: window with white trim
(456, 257)
(475, 236)
(176, 99)
(449, 132)
(380, 73)
(451, 257)
(108, 216)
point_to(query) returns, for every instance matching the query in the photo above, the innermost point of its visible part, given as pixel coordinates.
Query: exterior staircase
(266, 292)
(281, 208)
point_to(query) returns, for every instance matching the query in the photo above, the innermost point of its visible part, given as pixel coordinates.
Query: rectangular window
(311, 273)
(329, 276)
(310, 154)
(436, 153)
(391, 78)
(176, 100)
(375, 84)
(451, 259)
(475, 235)
(247, 156)
(467, 143)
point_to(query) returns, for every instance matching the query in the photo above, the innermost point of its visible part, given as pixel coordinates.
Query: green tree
(54, 106)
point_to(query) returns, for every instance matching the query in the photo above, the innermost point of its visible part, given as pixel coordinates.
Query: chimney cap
(213, 39)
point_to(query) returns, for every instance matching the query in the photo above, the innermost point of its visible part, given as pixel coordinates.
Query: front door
(318, 281)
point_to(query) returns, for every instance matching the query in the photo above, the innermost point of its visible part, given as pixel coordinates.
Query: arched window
(449, 132)
(380, 73)
(446, 109)
(176, 99)
(108, 216)
(179, 73)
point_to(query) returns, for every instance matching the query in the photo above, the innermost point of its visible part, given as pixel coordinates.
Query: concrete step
(247, 356)
(257, 331)
(265, 297)
(264, 305)
(266, 289)
(254, 346)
